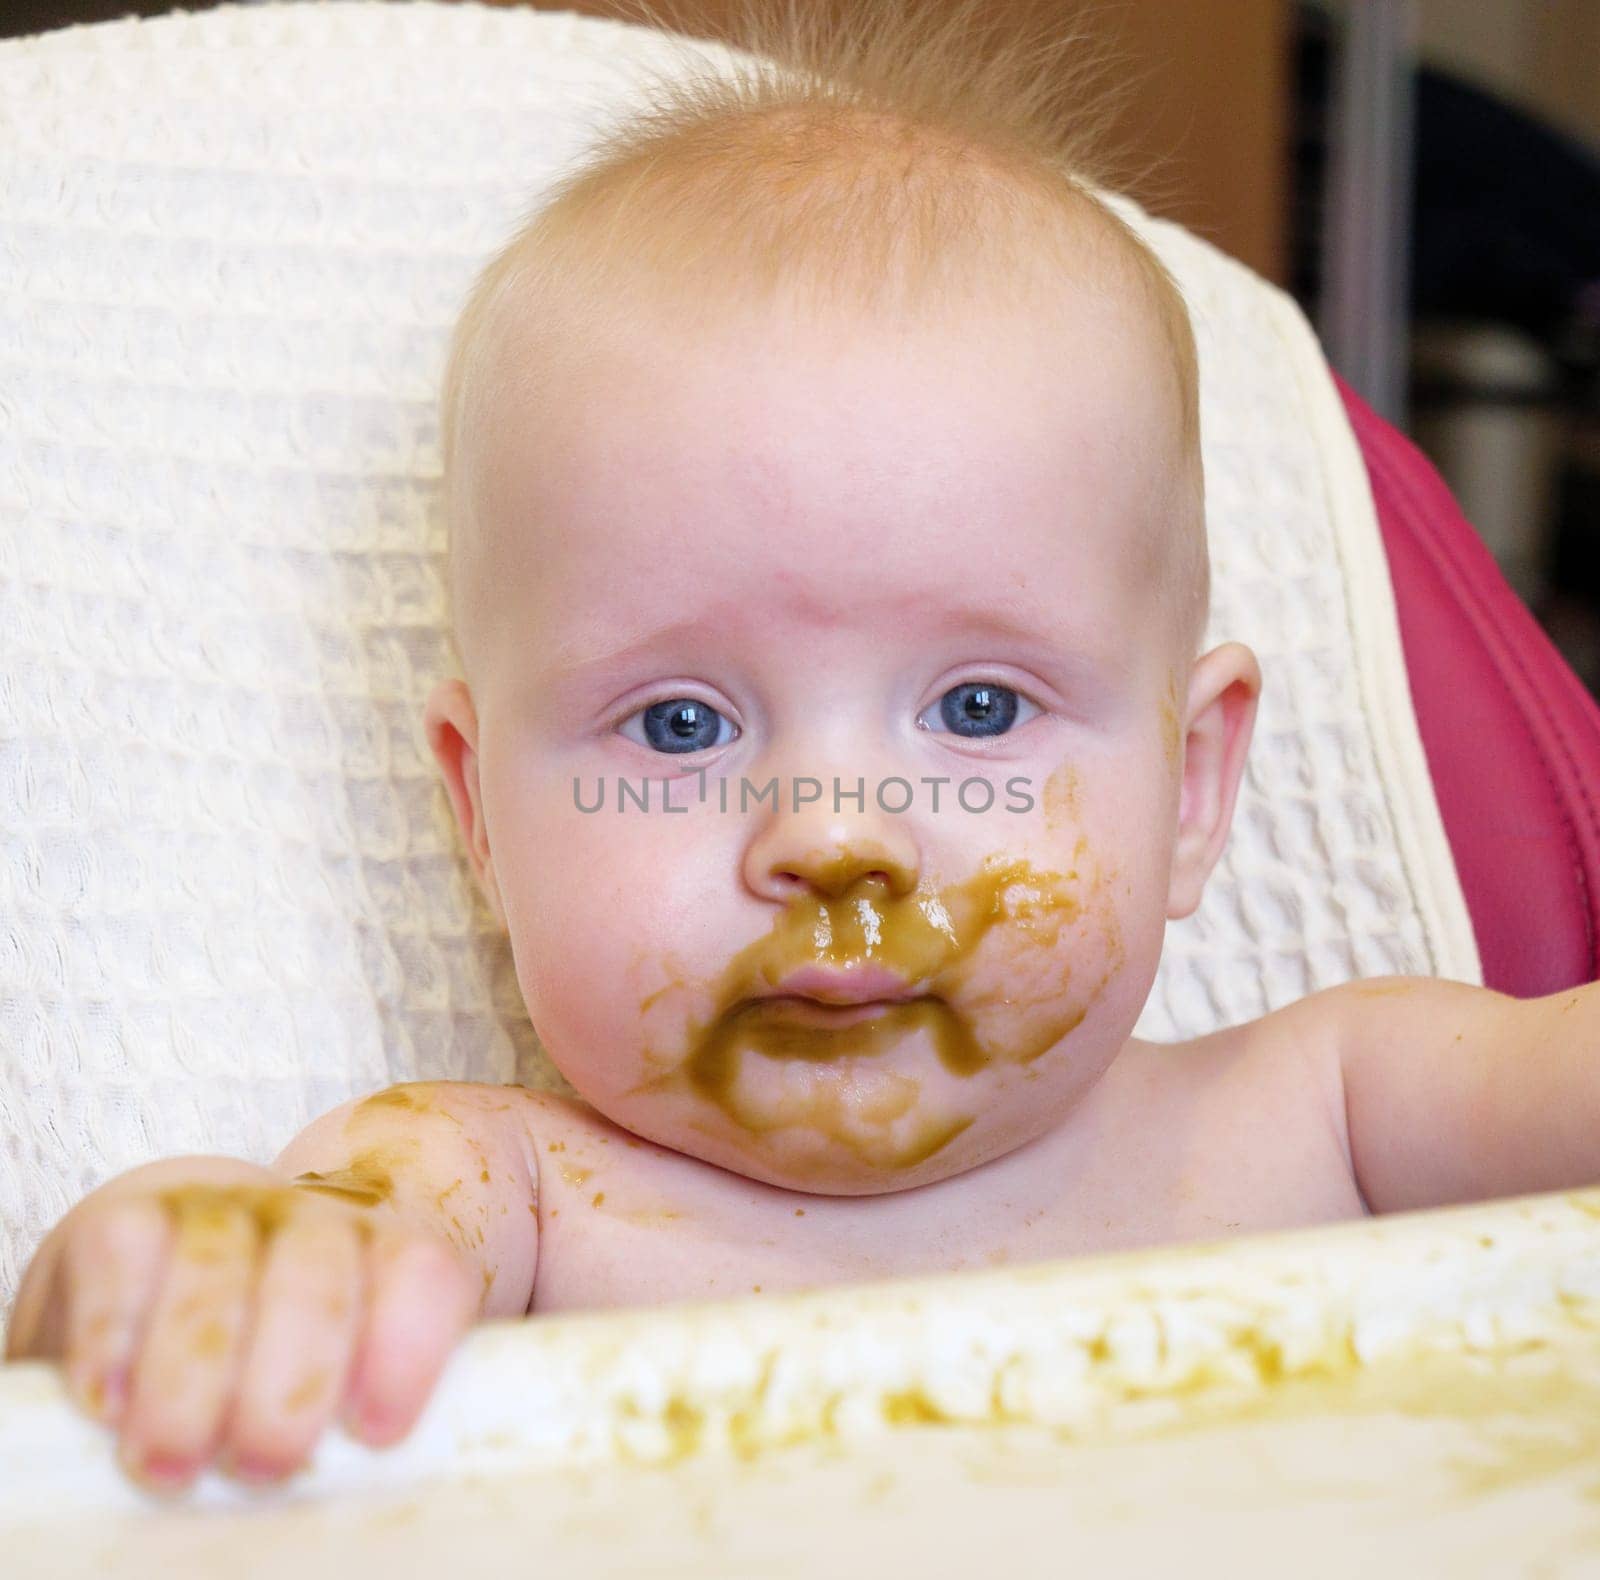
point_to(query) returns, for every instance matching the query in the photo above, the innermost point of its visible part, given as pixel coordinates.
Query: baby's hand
(233, 1321)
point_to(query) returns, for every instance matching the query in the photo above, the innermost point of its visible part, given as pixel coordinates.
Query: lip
(813, 1012)
(863, 984)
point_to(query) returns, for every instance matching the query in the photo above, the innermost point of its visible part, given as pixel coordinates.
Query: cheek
(1039, 971)
(1090, 956)
(595, 902)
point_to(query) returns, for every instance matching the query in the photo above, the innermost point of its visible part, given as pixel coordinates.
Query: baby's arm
(207, 1305)
(447, 1156)
(1456, 1093)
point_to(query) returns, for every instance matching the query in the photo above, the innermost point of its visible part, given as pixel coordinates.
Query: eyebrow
(1034, 637)
(575, 662)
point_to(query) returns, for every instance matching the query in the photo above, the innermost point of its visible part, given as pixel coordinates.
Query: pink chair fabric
(1511, 735)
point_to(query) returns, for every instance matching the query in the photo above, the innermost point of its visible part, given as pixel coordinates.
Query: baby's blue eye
(681, 724)
(980, 708)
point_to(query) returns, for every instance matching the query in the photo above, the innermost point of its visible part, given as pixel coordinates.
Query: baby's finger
(189, 1360)
(112, 1266)
(421, 1299)
(307, 1316)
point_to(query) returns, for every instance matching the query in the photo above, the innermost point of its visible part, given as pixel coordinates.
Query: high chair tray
(1415, 1395)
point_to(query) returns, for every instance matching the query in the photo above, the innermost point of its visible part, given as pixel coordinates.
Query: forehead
(1008, 457)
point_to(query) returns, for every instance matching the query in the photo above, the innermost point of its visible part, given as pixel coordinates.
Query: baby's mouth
(819, 1031)
(803, 1011)
(858, 983)
(866, 986)
(830, 996)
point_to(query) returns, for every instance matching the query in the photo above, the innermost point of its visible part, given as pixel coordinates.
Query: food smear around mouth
(989, 964)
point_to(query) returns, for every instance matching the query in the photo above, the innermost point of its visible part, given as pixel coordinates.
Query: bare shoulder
(1280, 1070)
(1384, 1021)
(1338, 1024)
(569, 1141)
(1298, 1042)
(1288, 1061)
(479, 1106)
(545, 1111)
(1253, 1123)
(552, 1121)
(1360, 1068)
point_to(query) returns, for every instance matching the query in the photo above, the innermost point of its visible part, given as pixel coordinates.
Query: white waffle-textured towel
(232, 244)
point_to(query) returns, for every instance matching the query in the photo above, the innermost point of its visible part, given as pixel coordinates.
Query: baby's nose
(824, 854)
(822, 848)
(835, 869)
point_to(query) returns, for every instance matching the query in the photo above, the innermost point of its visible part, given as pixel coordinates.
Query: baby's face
(918, 566)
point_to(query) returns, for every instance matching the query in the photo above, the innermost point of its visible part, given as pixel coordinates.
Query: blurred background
(1423, 176)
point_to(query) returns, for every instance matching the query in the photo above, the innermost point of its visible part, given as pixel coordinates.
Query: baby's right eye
(681, 724)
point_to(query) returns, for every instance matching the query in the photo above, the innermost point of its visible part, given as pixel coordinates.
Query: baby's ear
(1221, 712)
(452, 725)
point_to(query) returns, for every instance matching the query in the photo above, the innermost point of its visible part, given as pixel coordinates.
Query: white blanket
(231, 892)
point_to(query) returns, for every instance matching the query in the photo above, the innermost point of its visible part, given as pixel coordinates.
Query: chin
(801, 1160)
(869, 1128)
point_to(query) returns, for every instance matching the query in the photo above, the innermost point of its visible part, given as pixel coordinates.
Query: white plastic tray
(1416, 1395)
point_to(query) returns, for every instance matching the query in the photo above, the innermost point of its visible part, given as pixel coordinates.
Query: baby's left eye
(978, 708)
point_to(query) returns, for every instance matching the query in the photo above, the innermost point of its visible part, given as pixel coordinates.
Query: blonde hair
(874, 156)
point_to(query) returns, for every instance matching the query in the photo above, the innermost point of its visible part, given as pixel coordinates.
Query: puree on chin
(988, 966)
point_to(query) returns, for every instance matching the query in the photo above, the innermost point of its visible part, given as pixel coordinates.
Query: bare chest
(1163, 1156)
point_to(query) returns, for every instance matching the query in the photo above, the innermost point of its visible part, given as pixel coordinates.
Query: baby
(828, 568)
